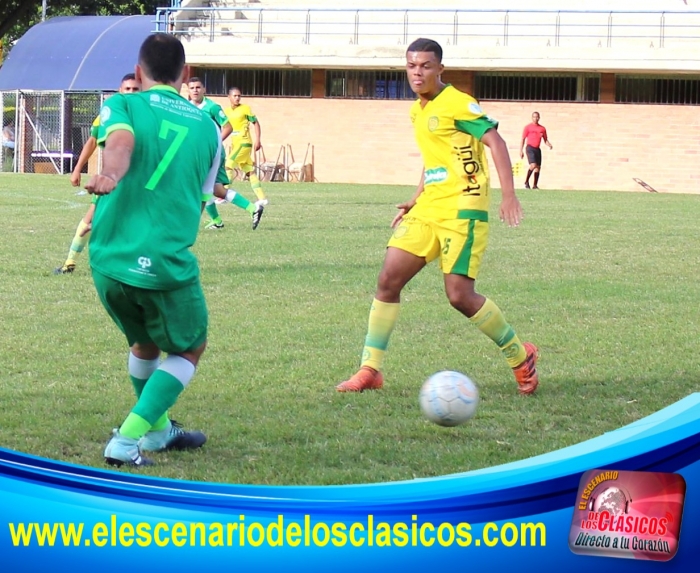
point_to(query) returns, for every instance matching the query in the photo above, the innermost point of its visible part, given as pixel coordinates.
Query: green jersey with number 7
(143, 230)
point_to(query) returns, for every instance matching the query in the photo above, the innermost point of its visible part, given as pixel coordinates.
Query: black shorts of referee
(534, 155)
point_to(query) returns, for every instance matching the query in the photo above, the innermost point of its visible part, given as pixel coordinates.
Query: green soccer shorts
(175, 320)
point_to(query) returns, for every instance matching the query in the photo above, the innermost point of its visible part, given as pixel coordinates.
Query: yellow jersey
(456, 179)
(95, 127)
(240, 118)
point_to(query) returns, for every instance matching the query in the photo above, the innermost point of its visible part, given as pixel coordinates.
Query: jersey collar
(163, 88)
(444, 87)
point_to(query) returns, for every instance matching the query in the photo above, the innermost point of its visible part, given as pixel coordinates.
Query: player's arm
(522, 143)
(116, 135)
(511, 212)
(116, 159)
(226, 130)
(408, 205)
(256, 134)
(484, 128)
(546, 139)
(85, 154)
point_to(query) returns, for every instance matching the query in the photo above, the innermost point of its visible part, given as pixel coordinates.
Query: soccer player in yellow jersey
(128, 85)
(446, 219)
(244, 142)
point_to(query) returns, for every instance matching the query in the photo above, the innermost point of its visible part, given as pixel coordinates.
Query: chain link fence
(44, 131)
(8, 100)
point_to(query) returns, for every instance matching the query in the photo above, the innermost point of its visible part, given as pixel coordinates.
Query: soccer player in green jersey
(446, 219)
(82, 233)
(160, 163)
(197, 93)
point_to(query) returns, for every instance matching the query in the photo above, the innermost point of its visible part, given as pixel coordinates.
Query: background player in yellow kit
(244, 142)
(82, 233)
(446, 219)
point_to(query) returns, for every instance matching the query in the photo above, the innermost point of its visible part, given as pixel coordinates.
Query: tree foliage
(18, 16)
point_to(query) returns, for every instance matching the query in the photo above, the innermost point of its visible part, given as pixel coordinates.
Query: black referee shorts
(534, 155)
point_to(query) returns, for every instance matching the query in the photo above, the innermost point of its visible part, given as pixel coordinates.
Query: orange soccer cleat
(526, 373)
(365, 378)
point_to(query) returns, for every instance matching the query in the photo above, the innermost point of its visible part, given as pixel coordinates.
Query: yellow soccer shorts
(459, 244)
(240, 157)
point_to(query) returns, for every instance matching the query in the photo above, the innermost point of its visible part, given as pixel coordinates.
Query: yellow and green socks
(490, 320)
(79, 242)
(257, 187)
(382, 319)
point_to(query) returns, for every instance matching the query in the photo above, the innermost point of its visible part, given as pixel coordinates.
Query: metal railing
(319, 26)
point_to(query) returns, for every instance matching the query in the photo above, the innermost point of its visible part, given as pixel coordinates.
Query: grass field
(606, 284)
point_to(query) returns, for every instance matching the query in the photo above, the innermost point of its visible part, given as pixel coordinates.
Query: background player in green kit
(197, 93)
(446, 219)
(161, 158)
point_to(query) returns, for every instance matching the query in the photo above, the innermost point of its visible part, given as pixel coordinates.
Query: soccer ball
(449, 398)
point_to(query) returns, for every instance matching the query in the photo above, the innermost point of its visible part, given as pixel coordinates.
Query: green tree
(17, 16)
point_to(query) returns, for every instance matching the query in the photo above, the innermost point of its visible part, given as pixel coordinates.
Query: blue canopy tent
(51, 81)
(75, 53)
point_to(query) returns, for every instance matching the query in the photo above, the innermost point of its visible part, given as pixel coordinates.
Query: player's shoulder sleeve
(95, 127)
(114, 116)
(470, 118)
(248, 113)
(218, 114)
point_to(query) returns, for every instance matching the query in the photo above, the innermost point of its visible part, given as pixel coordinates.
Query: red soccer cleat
(526, 373)
(365, 378)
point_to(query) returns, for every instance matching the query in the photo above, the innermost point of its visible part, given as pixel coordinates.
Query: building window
(655, 89)
(258, 83)
(537, 87)
(368, 84)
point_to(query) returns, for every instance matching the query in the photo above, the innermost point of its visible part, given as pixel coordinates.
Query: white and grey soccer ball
(449, 398)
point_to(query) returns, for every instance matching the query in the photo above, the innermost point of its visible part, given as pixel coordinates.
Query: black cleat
(66, 269)
(257, 214)
(172, 438)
